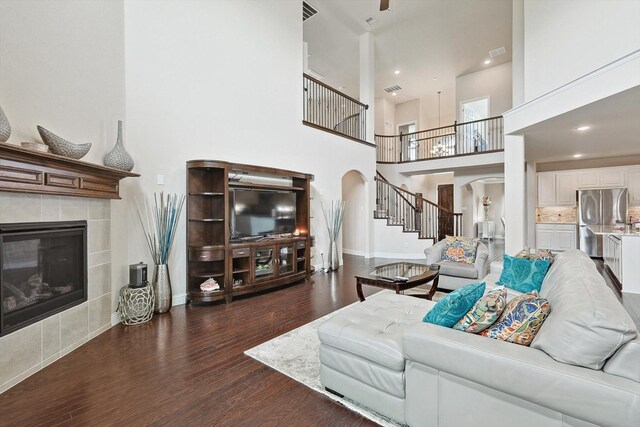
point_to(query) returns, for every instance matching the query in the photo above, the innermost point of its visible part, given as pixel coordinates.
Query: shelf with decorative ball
(27, 171)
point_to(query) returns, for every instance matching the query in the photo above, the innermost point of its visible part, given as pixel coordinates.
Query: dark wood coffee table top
(385, 276)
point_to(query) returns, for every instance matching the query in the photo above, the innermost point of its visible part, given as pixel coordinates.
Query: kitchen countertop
(556, 223)
(615, 230)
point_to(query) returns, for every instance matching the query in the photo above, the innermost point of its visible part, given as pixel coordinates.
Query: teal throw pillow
(455, 305)
(523, 275)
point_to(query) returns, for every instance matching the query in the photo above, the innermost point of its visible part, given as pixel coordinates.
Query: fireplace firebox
(43, 271)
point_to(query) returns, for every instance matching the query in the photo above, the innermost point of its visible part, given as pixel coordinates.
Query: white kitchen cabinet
(633, 181)
(612, 254)
(602, 178)
(565, 237)
(556, 237)
(545, 236)
(557, 189)
(612, 177)
(588, 179)
(566, 186)
(547, 189)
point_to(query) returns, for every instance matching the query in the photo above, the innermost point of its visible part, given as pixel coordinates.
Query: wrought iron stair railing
(414, 213)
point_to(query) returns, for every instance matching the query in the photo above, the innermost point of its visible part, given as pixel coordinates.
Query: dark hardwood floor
(187, 367)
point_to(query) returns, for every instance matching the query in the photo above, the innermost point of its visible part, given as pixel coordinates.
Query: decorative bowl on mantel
(63, 147)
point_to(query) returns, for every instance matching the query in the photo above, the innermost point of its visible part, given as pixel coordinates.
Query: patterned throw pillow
(536, 254)
(484, 312)
(523, 275)
(521, 320)
(460, 249)
(452, 307)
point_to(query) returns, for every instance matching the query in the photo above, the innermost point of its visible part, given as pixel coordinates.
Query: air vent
(497, 52)
(392, 89)
(307, 11)
(370, 20)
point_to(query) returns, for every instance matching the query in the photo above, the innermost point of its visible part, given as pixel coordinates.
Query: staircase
(414, 213)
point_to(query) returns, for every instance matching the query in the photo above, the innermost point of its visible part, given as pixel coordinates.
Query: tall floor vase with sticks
(159, 224)
(333, 219)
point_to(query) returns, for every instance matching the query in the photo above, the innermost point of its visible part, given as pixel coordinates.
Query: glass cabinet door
(286, 260)
(264, 263)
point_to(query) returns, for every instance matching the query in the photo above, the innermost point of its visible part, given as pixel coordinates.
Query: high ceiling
(423, 39)
(614, 131)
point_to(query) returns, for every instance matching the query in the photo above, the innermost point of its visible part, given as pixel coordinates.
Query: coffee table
(385, 276)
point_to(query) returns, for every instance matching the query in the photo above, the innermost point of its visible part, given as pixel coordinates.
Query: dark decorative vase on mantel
(118, 158)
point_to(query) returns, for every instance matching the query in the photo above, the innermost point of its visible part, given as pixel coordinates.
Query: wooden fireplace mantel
(28, 171)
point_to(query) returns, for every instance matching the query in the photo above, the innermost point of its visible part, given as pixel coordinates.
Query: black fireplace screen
(43, 270)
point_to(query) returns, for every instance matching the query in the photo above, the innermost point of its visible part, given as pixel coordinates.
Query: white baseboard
(115, 319)
(179, 299)
(354, 252)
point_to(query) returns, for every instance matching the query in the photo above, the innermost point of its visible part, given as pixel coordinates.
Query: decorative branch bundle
(160, 223)
(333, 218)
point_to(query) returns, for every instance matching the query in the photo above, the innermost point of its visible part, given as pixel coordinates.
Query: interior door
(445, 220)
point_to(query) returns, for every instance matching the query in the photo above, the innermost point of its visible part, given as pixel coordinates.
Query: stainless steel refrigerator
(599, 207)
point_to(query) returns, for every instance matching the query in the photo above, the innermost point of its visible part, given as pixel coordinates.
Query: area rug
(296, 354)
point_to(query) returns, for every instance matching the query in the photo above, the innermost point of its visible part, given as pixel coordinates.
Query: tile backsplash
(634, 211)
(557, 215)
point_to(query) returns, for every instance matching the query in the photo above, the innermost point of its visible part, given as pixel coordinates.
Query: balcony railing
(333, 111)
(459, 139)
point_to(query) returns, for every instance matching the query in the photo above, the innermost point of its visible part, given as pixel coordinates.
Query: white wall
(201, 85)
(566, 39)
(355, 211)
(385, 117)
(62, 67)
(493, 82)
(408, 112)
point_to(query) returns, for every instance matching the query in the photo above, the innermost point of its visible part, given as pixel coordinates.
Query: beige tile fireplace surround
(26, 351)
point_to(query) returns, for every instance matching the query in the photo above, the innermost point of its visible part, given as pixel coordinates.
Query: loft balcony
(478, 137)
(332, 111)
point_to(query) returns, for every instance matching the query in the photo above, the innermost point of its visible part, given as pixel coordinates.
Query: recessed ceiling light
(487, 61)
(396, 72)
(393, 94)
(340, 87)
(435, 78)
(577, 155)
(583, 128)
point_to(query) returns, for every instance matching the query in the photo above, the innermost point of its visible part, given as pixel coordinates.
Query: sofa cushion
(460, 249)
(373, 328)
(458, 269)
(484, 312)
(452, 307)
(533, 254)
(588, 323)
(521, 320)
(522, 274)
(626, 361)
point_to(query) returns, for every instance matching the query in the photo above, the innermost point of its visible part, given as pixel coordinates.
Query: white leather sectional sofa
(379, 353)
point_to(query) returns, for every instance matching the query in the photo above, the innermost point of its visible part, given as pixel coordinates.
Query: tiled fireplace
(43, 271)
(26, 349)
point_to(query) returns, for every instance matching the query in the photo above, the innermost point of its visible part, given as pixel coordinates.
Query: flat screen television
(261, 212)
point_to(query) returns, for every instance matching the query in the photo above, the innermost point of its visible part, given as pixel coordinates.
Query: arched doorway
(354, 225)
(472, 194)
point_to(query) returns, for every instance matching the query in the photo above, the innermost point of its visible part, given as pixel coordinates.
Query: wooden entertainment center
(242, 266)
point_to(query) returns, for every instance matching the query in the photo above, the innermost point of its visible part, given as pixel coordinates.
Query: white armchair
(455, 275)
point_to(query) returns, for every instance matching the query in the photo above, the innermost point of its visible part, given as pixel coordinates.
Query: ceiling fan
(384, 5)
